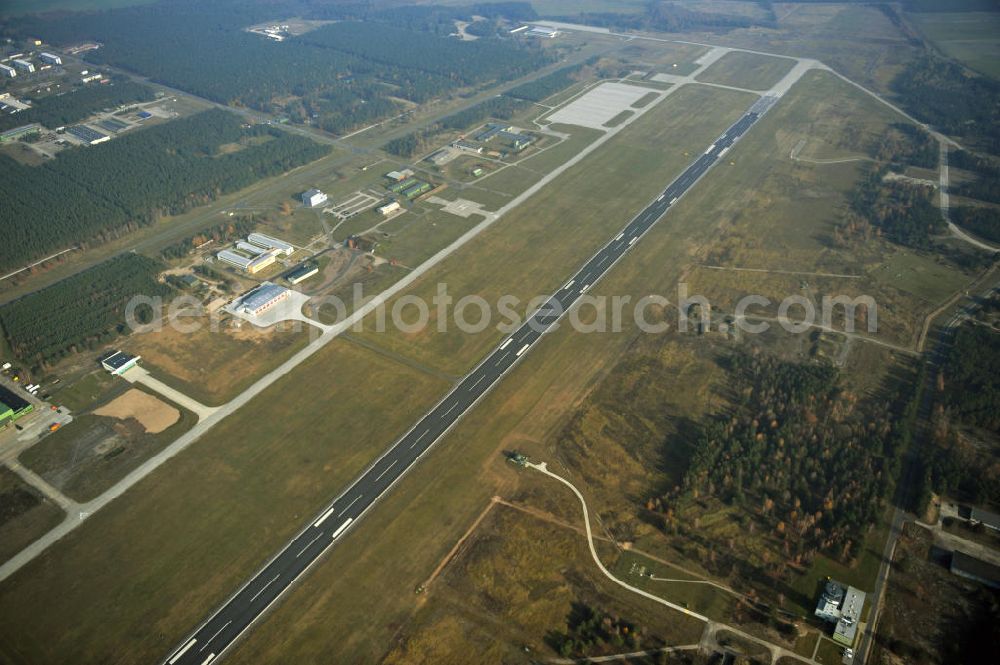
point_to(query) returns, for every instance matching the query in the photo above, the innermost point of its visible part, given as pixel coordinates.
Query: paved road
(238, 613)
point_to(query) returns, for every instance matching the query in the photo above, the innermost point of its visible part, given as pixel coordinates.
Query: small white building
(8, 71)
(24, 65)
(313, 198)
(50, 58)
(390, 208)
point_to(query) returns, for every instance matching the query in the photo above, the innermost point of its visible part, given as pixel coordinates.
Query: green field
(972, 38)
(747, 70)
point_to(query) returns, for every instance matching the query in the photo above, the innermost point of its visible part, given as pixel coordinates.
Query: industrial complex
(254, 254)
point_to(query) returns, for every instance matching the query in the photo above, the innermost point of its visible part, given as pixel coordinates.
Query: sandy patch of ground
(151, 413)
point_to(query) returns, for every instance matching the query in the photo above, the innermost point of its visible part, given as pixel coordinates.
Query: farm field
(747, 70)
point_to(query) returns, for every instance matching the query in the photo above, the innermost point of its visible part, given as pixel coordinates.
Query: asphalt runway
(238, 613)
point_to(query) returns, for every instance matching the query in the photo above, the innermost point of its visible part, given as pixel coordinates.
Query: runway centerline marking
(360, 495)
(207, 642)
(309, 544)
(257, 595)
(384, 471)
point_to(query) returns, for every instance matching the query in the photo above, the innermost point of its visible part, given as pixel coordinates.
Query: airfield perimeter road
(217, 633)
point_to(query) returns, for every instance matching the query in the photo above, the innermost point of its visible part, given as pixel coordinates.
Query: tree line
(96, 193)
(226, 232)
(63, 109)
(947, 96)
(82, 311)
(546, 86)
(339, 76)
(804, 455)
(904, 213)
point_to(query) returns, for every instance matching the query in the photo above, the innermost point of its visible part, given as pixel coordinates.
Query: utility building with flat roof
(8, 71)
(50, 58)
(23, 65)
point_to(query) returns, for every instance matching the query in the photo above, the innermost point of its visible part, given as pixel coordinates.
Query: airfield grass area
(543, 241)
(92, 453)
(25, 514)
(747, 70)
(213, 366)
(423, 236)
(973, 38)
(499, 573)
(185, 537)
(430, 511)
(782, 216)
(259, 475)
(857, 40)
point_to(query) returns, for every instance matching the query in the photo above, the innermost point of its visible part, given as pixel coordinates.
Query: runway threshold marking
(384, 471)
(340, 529)
(183, 650)
(322, 518)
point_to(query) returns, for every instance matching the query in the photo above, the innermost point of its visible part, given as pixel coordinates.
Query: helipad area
(600, 105)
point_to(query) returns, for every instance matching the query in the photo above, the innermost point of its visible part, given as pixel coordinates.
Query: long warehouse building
(271, 243)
